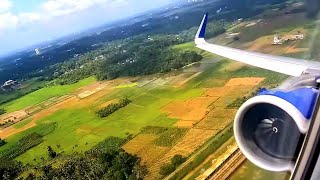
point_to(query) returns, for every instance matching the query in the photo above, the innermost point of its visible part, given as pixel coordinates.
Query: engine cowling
(270, 127)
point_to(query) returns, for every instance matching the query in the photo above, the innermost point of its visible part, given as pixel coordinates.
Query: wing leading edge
(284, 65)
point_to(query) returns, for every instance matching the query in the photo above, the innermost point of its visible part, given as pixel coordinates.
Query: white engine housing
(250, 148)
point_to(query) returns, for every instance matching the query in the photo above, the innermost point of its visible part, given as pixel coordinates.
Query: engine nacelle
(270, 127)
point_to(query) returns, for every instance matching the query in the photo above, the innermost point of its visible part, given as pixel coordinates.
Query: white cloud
(48, 9)
(55, 18)
(8, 20)
(5, 5)
(28, 17)
(63, 7)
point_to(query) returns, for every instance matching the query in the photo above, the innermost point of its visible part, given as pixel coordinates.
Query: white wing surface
(285, 65)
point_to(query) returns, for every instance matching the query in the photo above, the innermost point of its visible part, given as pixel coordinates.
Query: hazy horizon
(24, 24)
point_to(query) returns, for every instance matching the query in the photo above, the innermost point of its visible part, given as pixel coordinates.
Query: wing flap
(285, 65)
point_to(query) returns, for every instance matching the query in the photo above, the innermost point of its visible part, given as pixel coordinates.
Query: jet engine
(270, 127)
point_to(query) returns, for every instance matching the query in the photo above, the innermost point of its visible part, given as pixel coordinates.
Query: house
(232, 35)
(298, 37)
(10, 85)
(277, 40)
(38, 52)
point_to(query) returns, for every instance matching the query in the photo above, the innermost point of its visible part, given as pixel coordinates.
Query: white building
(37, 51)
(10, 85)
(277, 40)
(298, 36)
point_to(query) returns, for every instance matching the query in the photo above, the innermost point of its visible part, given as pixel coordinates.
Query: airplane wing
(285, 65)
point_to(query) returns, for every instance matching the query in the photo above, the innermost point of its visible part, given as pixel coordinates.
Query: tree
(177, 160)
(9, 169)
(118, 175)
(167, 169)
(111, 108)
(2, 111)
(51, 152)
(2, 142)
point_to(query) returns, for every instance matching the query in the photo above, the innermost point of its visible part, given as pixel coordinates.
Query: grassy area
(81, 128)
(221, 75)
(127, 85)
(271, 78)
(27, 87)
(44, 94)
(208, 162)
(78, 129)
(170, 137)
(192, 47)
(15, 145)
(271, 25)
(22, 123)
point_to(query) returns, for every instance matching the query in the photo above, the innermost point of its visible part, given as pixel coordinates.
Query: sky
(28, 22)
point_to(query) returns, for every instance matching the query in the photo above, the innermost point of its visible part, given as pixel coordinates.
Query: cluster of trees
(9, 169)
(105, 161)
(2, 111)
(2, 142)
(27, 142)
(115, 164)
(176, 161)
(138, 55)
(24, 144)
(113, 107)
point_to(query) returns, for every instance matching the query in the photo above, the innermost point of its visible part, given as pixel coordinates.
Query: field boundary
(195, 159)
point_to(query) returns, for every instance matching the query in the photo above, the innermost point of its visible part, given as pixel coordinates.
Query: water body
(247, 170)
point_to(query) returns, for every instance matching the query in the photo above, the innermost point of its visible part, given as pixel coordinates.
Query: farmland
(184, 112)
(44, 94)
(81, 128)
(188, 114)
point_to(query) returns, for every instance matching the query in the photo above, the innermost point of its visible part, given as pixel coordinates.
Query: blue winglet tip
(203, 27)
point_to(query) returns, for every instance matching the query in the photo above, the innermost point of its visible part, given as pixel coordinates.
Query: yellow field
(139, 142)
(187, 145)
(191, 110)
(151, 154)
(205, 116)
(185, 124)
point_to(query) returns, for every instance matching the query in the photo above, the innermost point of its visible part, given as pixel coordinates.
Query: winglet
(202, 30)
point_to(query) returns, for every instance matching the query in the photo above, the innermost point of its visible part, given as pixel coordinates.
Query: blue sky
(27, 22)
(25, 5)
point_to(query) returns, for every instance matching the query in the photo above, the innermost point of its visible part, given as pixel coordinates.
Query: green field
(79, 129)
(190, 46)
(27, 86)
(23, 123)
(72, 127)
(44, 94)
